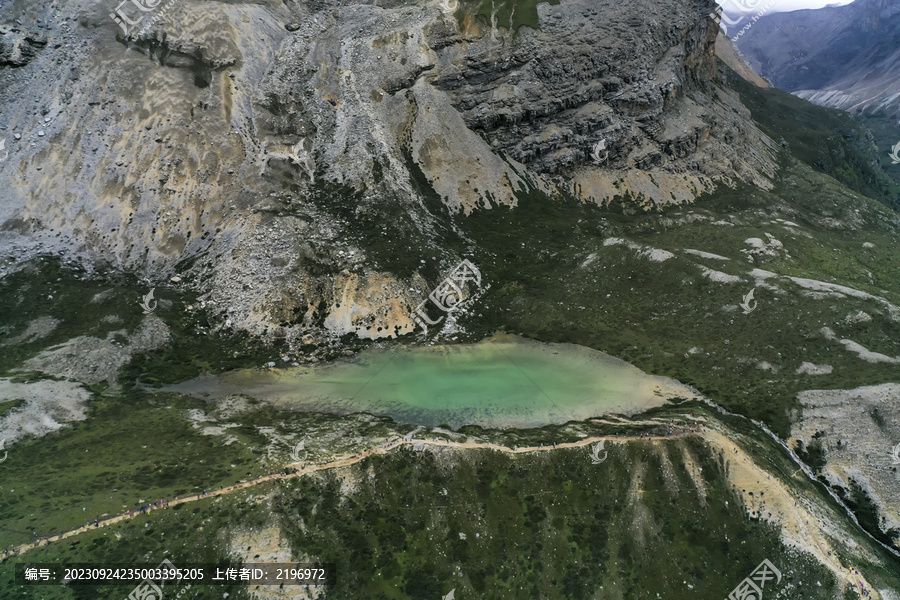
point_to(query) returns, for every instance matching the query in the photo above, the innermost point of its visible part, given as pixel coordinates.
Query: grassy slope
(551, 525)
(44, 288)
(191, 533)
(127, 453)
(138, 447)
(829, 140)
(554, 279)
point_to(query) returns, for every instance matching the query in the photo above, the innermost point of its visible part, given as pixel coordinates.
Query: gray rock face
(594, 71)
(219, 140)
(18, 46)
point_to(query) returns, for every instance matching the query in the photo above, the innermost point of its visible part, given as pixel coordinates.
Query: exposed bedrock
(242, 145)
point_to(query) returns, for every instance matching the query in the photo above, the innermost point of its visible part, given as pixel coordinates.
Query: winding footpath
(337, 464)
(792, 518)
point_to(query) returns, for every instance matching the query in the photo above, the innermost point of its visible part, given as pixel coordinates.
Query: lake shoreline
(504, 381)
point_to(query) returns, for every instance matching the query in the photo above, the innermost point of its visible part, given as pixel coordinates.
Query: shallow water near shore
(503, 381)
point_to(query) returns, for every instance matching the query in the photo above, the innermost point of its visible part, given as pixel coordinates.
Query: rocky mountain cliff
(844, 56)
(296, 163)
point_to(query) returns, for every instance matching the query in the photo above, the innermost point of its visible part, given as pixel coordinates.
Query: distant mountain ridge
(844, 57)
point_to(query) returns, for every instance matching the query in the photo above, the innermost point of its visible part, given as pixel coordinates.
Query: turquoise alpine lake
(503, 381)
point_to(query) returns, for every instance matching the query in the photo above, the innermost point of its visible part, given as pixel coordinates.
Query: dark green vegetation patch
(550, 525)
(193, 533)
(829, 140)
(127, 453)
(510, 14)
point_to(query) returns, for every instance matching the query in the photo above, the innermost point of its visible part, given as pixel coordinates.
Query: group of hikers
(158, 503)
(284, 472)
